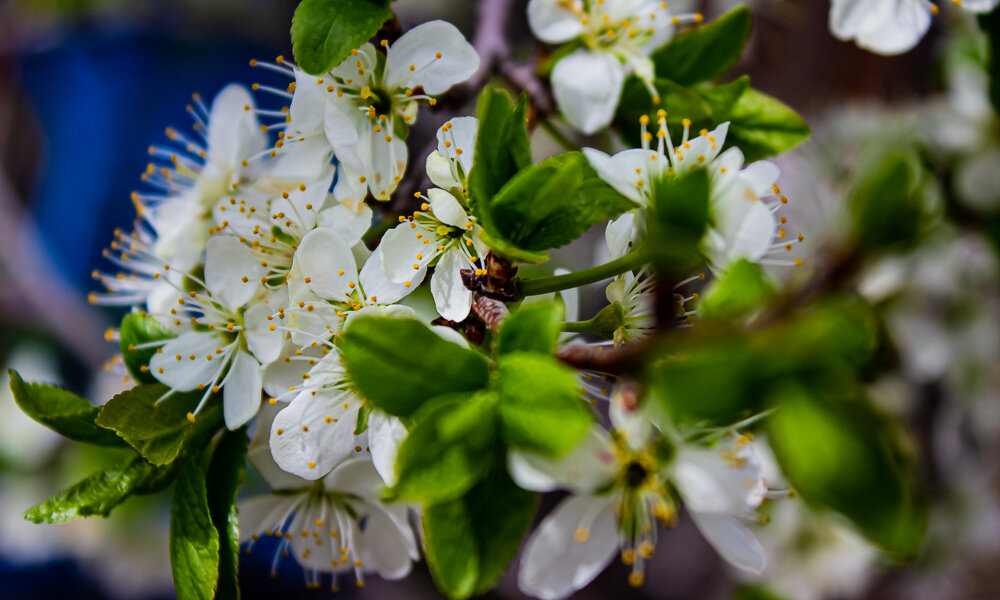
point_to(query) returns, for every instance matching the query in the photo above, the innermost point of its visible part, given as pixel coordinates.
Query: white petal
(733, 541)
(350, 225)
(264, 343)
(552, 22)
(227, 262)
(341, 124)
(320, 258)
(451, 298)
(620, 235)
(398, 251)
(233, 131)
(349, 190)
(447, 209)
(241, 392)
(388, 542)
(761, 177)
(308, 104)
(379, 288)
(744, 223)
(263, 513)
(356, 475)
(419, 47)
(725, 479)
(439, 171)
(385, 434)
(588, 466)
(185, 373)
(460, 135)
(619, 171)
(587, 85)
(315, 430)
(554, 565)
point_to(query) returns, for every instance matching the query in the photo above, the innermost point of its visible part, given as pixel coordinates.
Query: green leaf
(158, 430)
(499, 245)
(838, 454)
(705, 53)
(60, 410)
(540, 405)
(398, 364)
(678, 220)
(95, 495)
(762, 126)
(325, 31)
(138, 329)
(553, 203)
(886, 200)
(194, 541)
(225, 474)
(534, 327)
(361, 425)
(502, 149)
(721, 99)
(717, 382)
(743, 288)
(471, 540)
(447, 450)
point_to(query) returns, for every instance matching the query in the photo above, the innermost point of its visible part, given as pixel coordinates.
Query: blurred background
(87, 85)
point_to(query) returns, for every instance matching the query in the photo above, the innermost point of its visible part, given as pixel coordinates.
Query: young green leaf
(540, 405)
(95, 495)
(678, 220)
(736, 293)
(706, 52)
(325, 31)
(60, 410)
(886, 200)
(138, 329)
(447, 450)
(225, 474)
(398, 364)
(762, 126)
(471, 540)
(553, 203)
(534, 327)
(502, 149)
(158, 430)
(838, 454)
(194, 541)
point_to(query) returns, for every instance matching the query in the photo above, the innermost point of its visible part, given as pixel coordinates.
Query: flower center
(378, 98)
(635, 474)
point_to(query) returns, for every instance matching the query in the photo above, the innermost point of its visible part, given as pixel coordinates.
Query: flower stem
(543, 285)
(557, 135)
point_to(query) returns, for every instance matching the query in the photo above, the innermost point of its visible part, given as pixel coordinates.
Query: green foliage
(838, 454)
(743, 288)
(471, 540)
(447, 451)
(534, 327)
(678, 219)
(60, 410)
(502, 148)
(540, 405)
(194, 541)
(397, 364)
(225, 474)
(553, 203)
(707, 52)
(762, 126)
(159, 429)
(886, 199)
(138, 329)
(95, 495)
(325, 31)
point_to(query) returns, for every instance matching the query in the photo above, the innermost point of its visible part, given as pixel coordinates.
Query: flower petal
(313, 434)
(388, 543)
(587, 85)
(325, 264)
(554, 565)
(241, 392)
(227, 263)
(588, 466)
(385, 434)
(175, 366)
(420, 47)
(233, 131)
(458, 142)
(733, 541)
(398, 251)
(350, 225)
(552, 22)
(447, 209)
(451, 298)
